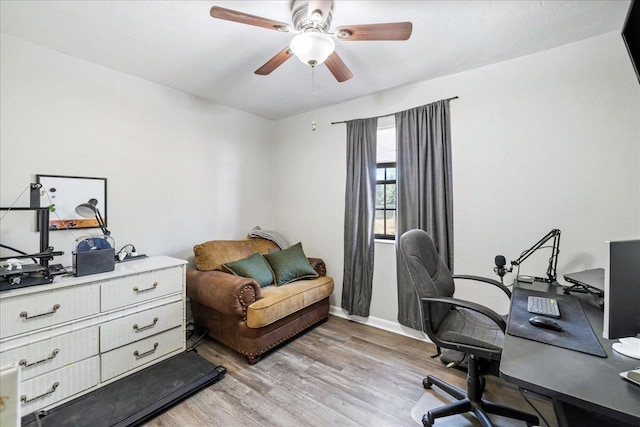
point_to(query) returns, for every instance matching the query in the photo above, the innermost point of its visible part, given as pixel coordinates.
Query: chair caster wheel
(426, 383)
(427, 419)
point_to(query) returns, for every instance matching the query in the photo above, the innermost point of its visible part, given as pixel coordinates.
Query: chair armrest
(221, 291)
(319, 266)
(455, 302)
(485, 280)
(465, 348)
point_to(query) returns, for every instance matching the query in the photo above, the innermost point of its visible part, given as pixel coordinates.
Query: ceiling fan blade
(275, 62)
(245, 18)
(338, 68)
(322, 6)
(387, 31)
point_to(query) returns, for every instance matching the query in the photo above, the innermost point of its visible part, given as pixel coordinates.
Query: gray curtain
(424, 191)
(359, 216)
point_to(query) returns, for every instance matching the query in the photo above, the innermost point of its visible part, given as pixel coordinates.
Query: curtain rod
(391, 114)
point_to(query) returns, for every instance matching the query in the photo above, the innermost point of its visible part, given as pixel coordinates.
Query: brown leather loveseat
(238, 312)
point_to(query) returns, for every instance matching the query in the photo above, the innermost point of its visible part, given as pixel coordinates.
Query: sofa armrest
(319, 266)
(221, 291)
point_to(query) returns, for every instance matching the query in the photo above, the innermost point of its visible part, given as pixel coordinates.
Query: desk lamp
(90, 210)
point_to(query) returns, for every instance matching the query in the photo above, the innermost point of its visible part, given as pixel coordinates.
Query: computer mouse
(543, 322)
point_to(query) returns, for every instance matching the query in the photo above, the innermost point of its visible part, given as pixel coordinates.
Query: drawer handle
(24, 399)
(138, 355)
(139, 291)
(149, 326)
(53, 310)
(24, 363)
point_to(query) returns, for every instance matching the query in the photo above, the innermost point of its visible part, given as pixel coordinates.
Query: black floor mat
(136, 398)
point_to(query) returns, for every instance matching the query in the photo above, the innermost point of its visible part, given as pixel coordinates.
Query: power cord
(14, 202)
(534, 408)
(203, 334)
(190, 328)
(123, 253)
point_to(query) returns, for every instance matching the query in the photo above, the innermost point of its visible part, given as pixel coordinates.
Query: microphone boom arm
(553, 260)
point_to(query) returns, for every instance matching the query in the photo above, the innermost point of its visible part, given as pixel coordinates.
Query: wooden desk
(573, 379)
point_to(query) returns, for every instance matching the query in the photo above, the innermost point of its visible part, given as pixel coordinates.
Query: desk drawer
(50, 388)
(140, 325)
(44, 356)
(138, 288)
(31, 312)
(123, 359)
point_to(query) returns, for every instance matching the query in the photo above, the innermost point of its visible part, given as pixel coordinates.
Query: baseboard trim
(379, 323)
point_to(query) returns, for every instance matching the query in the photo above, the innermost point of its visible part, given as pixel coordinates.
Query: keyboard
(543, 305)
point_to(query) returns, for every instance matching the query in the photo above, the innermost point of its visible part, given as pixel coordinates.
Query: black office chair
(457, 325)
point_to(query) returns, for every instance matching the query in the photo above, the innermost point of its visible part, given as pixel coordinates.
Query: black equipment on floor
(135, 398)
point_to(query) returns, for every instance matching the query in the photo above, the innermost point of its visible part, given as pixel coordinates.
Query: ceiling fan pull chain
(313, 98)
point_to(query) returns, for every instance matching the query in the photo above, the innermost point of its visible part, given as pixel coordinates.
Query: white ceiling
(178, 44)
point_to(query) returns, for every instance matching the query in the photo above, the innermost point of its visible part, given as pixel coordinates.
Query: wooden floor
(340, 373)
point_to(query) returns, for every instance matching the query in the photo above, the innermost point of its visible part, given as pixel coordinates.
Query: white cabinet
(47, 355)
(80, 333)
(139, 353)
(137, 326)
(47, 308)
(57, 385)
(139, 288)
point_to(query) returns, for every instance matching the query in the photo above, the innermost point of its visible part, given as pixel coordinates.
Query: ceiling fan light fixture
(316, 16)
(312, 48)
(343, 34)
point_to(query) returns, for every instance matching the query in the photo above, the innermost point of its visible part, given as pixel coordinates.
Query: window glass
(391, 222)
(385, 215)
(379, 196)
(391, 173)
(379, 222)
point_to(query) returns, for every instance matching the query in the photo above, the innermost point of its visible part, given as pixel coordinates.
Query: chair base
(466, 403)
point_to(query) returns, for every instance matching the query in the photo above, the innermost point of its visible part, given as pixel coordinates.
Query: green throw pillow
(255, 267)
(290, 264)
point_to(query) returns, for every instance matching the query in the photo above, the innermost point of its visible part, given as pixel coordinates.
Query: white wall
(180, 170)
(543, 141)
(550, 140)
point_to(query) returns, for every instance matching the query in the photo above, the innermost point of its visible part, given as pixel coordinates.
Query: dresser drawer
(142, 287)
(140, 325)
(28, 313)
(44, 356)
(131, 356)
(50, 388)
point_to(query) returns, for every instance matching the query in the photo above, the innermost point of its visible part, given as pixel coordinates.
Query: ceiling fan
(313, 43)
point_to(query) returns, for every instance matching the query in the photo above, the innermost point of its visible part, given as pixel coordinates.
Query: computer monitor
(622, 296)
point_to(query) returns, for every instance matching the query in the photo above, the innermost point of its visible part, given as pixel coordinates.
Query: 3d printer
(14, 274)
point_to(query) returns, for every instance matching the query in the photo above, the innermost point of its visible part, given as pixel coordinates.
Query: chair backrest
(428, 274)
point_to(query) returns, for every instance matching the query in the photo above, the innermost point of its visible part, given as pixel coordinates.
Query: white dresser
(80, 333)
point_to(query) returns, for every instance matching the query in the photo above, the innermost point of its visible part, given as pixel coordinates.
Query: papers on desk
(633, 376)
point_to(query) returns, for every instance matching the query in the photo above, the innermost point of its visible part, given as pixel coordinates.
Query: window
(385, 215)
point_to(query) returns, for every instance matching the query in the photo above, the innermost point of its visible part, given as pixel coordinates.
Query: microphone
(499, 268)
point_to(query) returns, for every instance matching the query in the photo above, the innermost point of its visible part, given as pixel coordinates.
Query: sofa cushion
(255, 267)
(290, 264)
(212, 254)
(278, 302)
